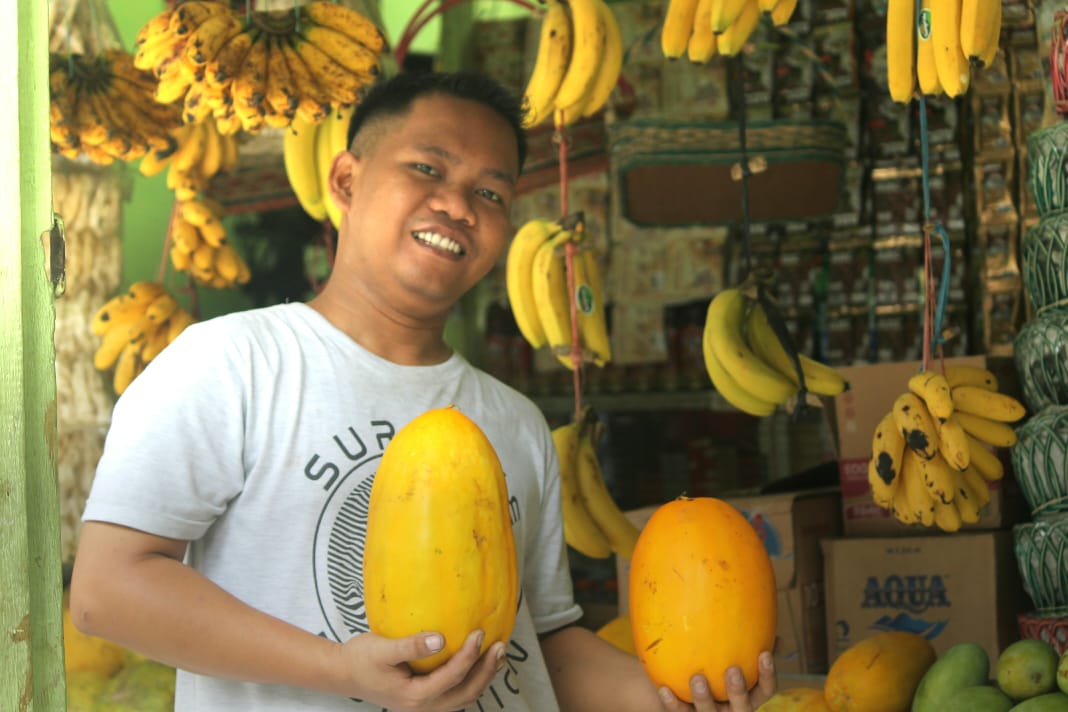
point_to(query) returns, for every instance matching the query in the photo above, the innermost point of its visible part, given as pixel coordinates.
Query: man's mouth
(438, 241)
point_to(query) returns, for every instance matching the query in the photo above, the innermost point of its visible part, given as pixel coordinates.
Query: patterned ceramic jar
(1047, 172)
(1042, 557)
(1041, 356)
(1040, 461)
(1044, 261)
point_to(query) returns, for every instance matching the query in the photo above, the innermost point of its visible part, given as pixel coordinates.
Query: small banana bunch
(594, 524)
(537, 284)
(701, 29)
(199, 246)
(263, 71)
(747, 362)
(931, 458)
(308, 150)
(202, 152)
(577, 65)
(939, 48)
(102, 107)
(135, 327)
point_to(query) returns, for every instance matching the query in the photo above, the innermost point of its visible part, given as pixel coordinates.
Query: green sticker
(584, 298)
(923, 25)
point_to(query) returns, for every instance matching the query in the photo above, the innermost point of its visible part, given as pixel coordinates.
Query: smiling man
(224, 531)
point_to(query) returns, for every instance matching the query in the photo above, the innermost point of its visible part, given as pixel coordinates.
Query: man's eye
(489, 195)
(424, 168)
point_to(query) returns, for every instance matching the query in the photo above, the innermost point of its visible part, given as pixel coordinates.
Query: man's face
(429, 213)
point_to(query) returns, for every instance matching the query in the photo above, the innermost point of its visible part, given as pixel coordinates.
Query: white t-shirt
(256, 437)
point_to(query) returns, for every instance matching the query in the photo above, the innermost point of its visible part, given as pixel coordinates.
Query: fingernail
(500, 657)
(767, 661)
(478, 639)
(734, 676)
(699, 686)
(666, 696)
(434, 642)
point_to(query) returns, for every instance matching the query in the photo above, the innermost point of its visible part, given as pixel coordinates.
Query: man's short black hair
(394, 96)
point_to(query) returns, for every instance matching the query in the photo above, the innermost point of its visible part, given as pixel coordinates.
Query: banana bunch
(202, 152)
(135, 327)
(577, 65)
(537, 283)
(939, 48)
(199, 246)
(102, 107)
(701, 29)
(308, 151)
(931, 458)
(746, 360)
(593, 523)
(261, 71)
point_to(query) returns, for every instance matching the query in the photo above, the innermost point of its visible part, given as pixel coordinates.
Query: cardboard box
(950, 589)
(872, 392)
(791, 526)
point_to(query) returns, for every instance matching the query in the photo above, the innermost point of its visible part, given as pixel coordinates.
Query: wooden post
(31, 644)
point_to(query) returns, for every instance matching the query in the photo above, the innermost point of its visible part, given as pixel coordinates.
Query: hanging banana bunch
(307, 152)
(201, 153)
(702, 29)
(101, 107)
(265, 71)
(199, 246)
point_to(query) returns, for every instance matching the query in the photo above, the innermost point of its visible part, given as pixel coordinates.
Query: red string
(417, 23)
(1058, 62)
(162, 272)
(569, 262)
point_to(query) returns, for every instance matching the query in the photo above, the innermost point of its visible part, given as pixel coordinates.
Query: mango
(879, 673)
(795, 699)
(1027, 668)
(1062, 673)
(980, 698)
(1049, 702)
(963, 665)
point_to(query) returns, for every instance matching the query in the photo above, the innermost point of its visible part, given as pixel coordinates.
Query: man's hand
(740, 699)
(380, 671)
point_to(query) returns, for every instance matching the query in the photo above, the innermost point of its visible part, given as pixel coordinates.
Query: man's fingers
(737, 692)
(766, 683)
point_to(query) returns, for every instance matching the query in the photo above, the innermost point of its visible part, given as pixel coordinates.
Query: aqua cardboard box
(791, 526)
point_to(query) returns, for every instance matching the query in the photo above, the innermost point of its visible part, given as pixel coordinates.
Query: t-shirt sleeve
(172, 458)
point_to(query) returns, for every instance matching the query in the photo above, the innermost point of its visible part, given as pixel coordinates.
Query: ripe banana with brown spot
(984, 462)
(962, 375)
(991, 432)
(916, 425)
(978, 486)
(947, 516)
(917, 495)
(988, 404)
(934, 389)
(938, 478)
(887, 455)
(966, 499)
(953, 443)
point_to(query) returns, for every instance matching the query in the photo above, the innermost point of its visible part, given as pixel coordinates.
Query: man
(223, 534)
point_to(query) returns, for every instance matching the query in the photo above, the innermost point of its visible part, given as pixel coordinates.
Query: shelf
(653, 400)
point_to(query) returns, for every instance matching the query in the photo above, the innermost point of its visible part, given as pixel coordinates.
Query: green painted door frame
(31, 586)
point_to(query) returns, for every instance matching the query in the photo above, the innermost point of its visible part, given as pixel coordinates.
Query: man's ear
(342, 174)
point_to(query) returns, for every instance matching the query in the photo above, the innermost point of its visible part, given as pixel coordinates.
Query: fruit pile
(539, 289)
(594, 524)
(747, 362)
(102, 107)
(577, 65)
(701, 29)
(200, 247)
(939, 48)
(201, 153)
(308, 151)
(134, 328)
(931, 460)
(262, 68)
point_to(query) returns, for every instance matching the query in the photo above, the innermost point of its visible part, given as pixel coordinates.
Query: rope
(739, 99)
(1058, 62)
(162, 271)
(561, 139)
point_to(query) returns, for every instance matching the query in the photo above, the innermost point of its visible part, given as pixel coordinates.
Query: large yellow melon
(878, 674)
(439, 553)
(702, 595)
(89, 653)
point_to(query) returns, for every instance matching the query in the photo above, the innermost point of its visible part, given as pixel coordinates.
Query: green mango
(979, 698)
(963, 665)
(1050, 702)
(1027, 668)
(147, 686)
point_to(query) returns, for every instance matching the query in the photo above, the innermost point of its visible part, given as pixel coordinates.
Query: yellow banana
(988, 404)
(984, 462)
(900, 53)
(155, 27)
(109, 349)
(249, 87)
(344, 86)
(180, 258)
(991, 432)
(116, 311)
(725, 13)
(299, 159)
(993, 41)
(701, 46)
(900, 507)
(281, 96)
(204, 218)
(347, 21)
(550, 64)
(819, 378)
(127, 367)
(678, 26)
(587, 51)
(731, 40)
(313, 102)
(978, 486)
(519, 277)
(917, 495)
(611, 63)
(190, 15)
(916, 425)
(178, 323)
(966, 499)
(953, 71)
(230, 266)
(971, 376)
(726, 385)
(980, 24)
(344, 50)
(549, 286)
(938, 478)
(161, 308)
(887, 455)
(953, 443)
(782, 12)
(926, 73)
(330, 140)
(932, 387)
(723, 328)
(204, 42)
(947, 516)
(621, 533)
(580, 531)
(590, 307)
(154, 344)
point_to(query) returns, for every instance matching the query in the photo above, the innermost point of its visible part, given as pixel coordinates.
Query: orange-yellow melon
(878, 674)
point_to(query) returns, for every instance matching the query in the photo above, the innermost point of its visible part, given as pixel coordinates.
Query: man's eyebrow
(451, 157)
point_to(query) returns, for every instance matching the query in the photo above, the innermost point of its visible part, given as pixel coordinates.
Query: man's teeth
(439, 241)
